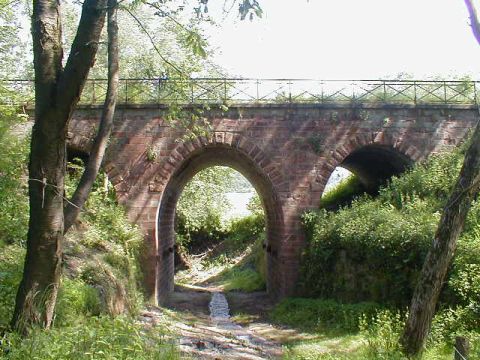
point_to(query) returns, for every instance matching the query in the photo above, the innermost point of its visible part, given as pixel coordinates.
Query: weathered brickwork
(288, 152)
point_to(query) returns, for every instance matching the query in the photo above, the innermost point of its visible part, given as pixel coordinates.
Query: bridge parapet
(227, 91)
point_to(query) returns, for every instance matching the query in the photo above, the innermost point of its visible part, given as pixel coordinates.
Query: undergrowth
(236, 262)
(374, 249)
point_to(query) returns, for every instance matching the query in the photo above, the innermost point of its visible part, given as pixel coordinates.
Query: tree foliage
(13, 49)
(203, 202)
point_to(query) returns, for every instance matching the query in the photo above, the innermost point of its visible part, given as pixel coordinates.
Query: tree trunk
(90, 173)
(56, 93)
(440, 255)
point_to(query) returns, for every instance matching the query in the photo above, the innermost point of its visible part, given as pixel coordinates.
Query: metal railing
(266, 91)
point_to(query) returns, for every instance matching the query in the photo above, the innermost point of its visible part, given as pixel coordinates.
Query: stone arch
(189, 158)
(373, 158)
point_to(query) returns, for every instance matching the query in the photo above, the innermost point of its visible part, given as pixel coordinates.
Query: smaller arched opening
(364, 170)
(375, 164)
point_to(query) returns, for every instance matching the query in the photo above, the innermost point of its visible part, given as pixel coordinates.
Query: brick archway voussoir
(185, 150)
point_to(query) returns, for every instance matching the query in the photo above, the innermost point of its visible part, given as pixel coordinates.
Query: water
(218, 306)
(220, 312)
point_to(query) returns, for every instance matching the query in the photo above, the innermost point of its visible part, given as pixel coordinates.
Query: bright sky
(348, 39)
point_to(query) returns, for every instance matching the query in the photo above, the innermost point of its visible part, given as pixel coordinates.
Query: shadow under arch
(199, 159)
(374, 164)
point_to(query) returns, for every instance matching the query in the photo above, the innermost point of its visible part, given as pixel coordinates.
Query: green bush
(108, 246)
(370, 251)
(245, 230)
(382, 332)
(13, 189)
(76, 300)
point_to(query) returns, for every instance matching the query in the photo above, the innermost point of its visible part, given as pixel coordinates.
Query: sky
(347, 39)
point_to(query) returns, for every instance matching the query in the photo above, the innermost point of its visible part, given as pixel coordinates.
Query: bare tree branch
(74, 206)
(152, 41)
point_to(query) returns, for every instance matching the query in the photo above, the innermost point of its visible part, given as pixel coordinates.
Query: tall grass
(91, 338)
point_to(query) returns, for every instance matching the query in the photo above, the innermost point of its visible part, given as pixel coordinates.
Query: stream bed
(203, 328)
(231, 341)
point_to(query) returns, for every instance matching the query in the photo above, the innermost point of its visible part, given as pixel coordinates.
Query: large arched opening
(199, 159)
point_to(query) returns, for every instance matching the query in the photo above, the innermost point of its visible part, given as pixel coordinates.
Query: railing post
(475, 93)
(415, 92)
(445, 92)
(257, 83)
(289, 91)
(323, 92)
(354, 86)
(225, 90)
(461, 348)
(93, 92)
(126, 91)
(384, 91)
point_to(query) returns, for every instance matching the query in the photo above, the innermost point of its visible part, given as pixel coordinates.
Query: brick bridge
(287, 150)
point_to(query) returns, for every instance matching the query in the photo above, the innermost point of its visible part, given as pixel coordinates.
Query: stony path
(206, 330)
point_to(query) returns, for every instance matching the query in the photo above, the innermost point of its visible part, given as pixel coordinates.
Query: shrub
(76, 300)
(13, 190)
(245, 230)
(382, 332)
(110, 248)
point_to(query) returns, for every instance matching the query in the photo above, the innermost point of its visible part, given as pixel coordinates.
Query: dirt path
(201, 336)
